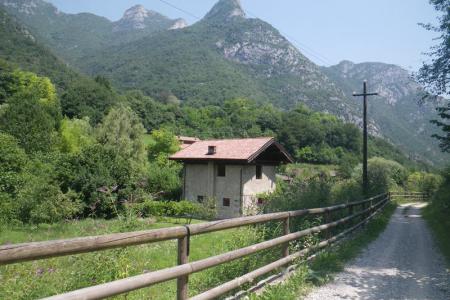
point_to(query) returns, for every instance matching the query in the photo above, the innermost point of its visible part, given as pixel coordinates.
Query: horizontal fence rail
(38, 250)
(410, 195)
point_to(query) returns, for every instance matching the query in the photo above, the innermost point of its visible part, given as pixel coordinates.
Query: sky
(326, 31)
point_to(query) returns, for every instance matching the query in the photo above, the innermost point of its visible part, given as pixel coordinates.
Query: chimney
(212, 150)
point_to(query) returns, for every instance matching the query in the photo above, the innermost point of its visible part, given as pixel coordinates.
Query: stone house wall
(239, 185)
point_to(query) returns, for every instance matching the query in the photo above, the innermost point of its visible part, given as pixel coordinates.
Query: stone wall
(239, 185)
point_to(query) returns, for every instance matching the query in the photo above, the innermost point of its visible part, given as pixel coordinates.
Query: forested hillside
(20, 47)
(228, 55)
(75, 146)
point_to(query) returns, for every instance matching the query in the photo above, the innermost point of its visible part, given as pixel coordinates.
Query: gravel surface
(403, 263)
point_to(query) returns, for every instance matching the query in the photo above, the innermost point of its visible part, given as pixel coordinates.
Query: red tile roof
(229, 149)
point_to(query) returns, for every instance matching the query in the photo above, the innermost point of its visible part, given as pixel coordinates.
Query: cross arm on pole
(367, 94)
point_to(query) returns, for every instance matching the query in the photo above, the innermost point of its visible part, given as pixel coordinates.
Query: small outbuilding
(234, 172)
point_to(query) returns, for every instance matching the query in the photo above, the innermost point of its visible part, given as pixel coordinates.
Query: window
(226, 202)
(200, 199)
(221, 170)
(258, 172)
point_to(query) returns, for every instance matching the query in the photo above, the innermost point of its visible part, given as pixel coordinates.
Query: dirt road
(403, 263)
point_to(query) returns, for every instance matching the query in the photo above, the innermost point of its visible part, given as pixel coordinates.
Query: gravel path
(403, 263)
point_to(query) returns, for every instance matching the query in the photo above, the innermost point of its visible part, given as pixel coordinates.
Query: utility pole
(365, 94)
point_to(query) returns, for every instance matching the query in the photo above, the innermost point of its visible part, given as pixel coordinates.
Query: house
(232, 171)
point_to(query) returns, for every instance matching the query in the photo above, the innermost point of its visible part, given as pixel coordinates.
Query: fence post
(183, 258)
(286, 231)
(328, 233)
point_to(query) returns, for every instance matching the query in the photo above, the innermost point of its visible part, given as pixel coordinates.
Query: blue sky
(326, 31)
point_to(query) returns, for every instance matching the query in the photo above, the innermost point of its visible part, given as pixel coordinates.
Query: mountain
(224, 55)
(71, 36)
(138, 18)
(399, 111)
(20, 48)
(228, 55)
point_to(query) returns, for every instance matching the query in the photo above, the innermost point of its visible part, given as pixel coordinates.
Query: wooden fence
(356, 213)
(410, 195)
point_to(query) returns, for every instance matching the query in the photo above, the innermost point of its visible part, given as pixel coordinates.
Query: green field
(37, 279)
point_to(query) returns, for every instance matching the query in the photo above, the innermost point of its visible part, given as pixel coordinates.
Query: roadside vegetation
(438, 215)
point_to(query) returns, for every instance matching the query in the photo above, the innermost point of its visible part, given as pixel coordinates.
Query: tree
(444, 113)
(122, 132)
(435, 75)
(12, 162)
(76, 134)
(40, 199)
(162, 143)
(31, 113)
(383, 175)
(88, 98)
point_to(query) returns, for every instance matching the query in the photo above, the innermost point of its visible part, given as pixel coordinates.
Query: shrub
(164, 178)
(309, 193)
(151, 208)
(383, 175)
(424, 182)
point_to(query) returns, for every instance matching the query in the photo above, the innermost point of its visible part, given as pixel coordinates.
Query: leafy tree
(100, 176)
(76, 134)
(31, 113)
(444, 124)
(162, 143)
(40, 199)
(12, 163)
(164, 180)
(153, 114)
(88, 98)
(164, 175)
(424, 182)
(122, 132)
(382, 174)
(435, 74)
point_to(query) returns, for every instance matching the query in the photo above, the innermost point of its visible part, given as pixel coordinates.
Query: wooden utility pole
(365, 94)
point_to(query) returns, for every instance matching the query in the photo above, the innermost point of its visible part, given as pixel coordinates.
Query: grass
(439, 221)
(327, 263)
(48, 277)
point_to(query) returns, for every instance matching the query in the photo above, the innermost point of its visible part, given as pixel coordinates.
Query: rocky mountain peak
(140, 18)
(135, 16)
(28, 7)
(225, 10)
(178, 24)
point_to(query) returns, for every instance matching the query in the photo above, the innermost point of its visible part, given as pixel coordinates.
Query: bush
(164, 178)
(424, 182)
(151, 208)
(306, 193)
(383, 175)
(41, 200)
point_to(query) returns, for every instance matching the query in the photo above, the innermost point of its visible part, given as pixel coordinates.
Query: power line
(180, 9)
